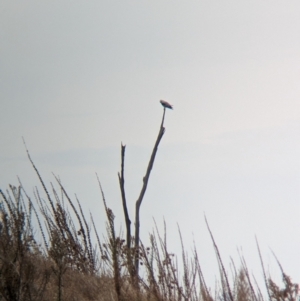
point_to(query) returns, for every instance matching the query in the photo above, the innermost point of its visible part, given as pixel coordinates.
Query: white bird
(165, 104)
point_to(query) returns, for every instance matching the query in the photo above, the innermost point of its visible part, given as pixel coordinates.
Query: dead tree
(135, 265)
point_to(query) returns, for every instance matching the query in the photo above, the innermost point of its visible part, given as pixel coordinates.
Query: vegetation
(68, 265)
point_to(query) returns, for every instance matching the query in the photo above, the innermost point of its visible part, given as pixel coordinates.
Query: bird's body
(165, 104)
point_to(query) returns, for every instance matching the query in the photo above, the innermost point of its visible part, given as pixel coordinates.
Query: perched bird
(165, 104)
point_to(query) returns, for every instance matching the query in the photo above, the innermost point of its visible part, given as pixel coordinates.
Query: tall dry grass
(68, 265)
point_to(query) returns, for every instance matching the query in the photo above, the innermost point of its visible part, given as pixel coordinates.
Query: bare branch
(122, 188)
(142, 193)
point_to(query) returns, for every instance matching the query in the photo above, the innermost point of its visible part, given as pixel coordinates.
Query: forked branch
(140, 198)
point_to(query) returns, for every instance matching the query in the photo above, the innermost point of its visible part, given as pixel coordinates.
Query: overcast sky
(79, 77)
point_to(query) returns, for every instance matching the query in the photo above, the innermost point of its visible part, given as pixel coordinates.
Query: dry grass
(66, 266)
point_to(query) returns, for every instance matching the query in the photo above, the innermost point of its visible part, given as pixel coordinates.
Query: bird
(165, 104)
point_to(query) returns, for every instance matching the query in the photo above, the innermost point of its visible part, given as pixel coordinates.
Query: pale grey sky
(79, 77)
